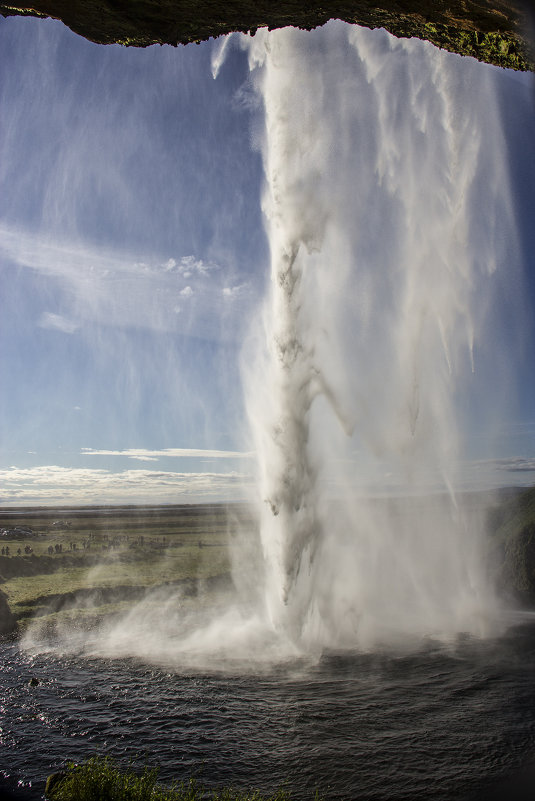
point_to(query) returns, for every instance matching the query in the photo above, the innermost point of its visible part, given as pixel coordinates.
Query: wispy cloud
(235, 291)
(507, 464)
(189, 266)
(175, 453)
(115, 288)
(64, 258)
(58, 322)
(51, 484)
(516, 464)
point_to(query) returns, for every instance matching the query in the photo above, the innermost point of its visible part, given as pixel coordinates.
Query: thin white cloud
(508, 464)
(58, 323)
(189, 266)
(113, 288)
(516, 464)
(63, 259)
(235, 291)
(51, 484)
(176, 453)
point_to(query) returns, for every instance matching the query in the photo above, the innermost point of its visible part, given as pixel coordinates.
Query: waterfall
(386, 198)
(369, 364)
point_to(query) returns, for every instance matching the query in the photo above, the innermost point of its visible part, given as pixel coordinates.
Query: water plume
(386, 200)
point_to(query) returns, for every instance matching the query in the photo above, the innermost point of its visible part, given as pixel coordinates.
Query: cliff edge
(498, 32)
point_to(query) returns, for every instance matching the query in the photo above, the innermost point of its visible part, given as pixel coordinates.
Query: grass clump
(100, 779)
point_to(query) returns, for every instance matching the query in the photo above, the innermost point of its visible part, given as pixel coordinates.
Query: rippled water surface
(441, 724)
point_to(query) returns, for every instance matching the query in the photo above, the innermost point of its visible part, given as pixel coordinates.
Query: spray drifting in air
(387, 211)
(384, 198)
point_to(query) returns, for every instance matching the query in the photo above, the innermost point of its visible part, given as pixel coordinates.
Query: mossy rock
(8, 621)
(518, 570)
(489, 30)
(512, 546)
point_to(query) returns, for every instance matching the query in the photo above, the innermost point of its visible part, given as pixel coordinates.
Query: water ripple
(438, 726)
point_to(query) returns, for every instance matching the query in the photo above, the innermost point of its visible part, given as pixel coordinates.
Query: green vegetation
(512, 546)
(101, 780)
(489, 30)
(86, 563)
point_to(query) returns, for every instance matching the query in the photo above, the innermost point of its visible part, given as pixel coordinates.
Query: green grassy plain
(105, 559)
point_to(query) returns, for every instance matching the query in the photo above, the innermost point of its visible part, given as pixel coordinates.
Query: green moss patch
(100, 779)
(489, 30)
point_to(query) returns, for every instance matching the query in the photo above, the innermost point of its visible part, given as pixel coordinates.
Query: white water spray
(385, 197)
(387, 211)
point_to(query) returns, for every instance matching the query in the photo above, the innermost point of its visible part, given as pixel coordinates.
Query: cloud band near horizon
(145, 454)
(55, 485)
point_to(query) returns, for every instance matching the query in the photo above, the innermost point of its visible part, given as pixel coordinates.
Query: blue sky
(132, 252)
(133, 256)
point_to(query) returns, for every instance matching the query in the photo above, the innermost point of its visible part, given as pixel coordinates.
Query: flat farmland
(94, 561)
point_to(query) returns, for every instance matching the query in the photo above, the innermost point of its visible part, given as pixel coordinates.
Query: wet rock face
(7, 618)
(496, 31)
(511, 527)
(518, 572)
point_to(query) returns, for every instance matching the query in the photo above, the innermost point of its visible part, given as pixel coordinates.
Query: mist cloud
(58, 322)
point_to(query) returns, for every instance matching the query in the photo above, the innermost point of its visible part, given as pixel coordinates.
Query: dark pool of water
(438, 724)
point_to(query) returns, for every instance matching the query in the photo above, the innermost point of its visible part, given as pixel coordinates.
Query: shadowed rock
(512, 547)
(495, 31)
(7, 618)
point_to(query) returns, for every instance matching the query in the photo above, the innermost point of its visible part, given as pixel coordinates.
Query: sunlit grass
(103, 551)
(100, 779)
(30, 594)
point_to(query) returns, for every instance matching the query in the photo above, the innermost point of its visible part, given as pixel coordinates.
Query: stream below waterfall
(442, 723)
